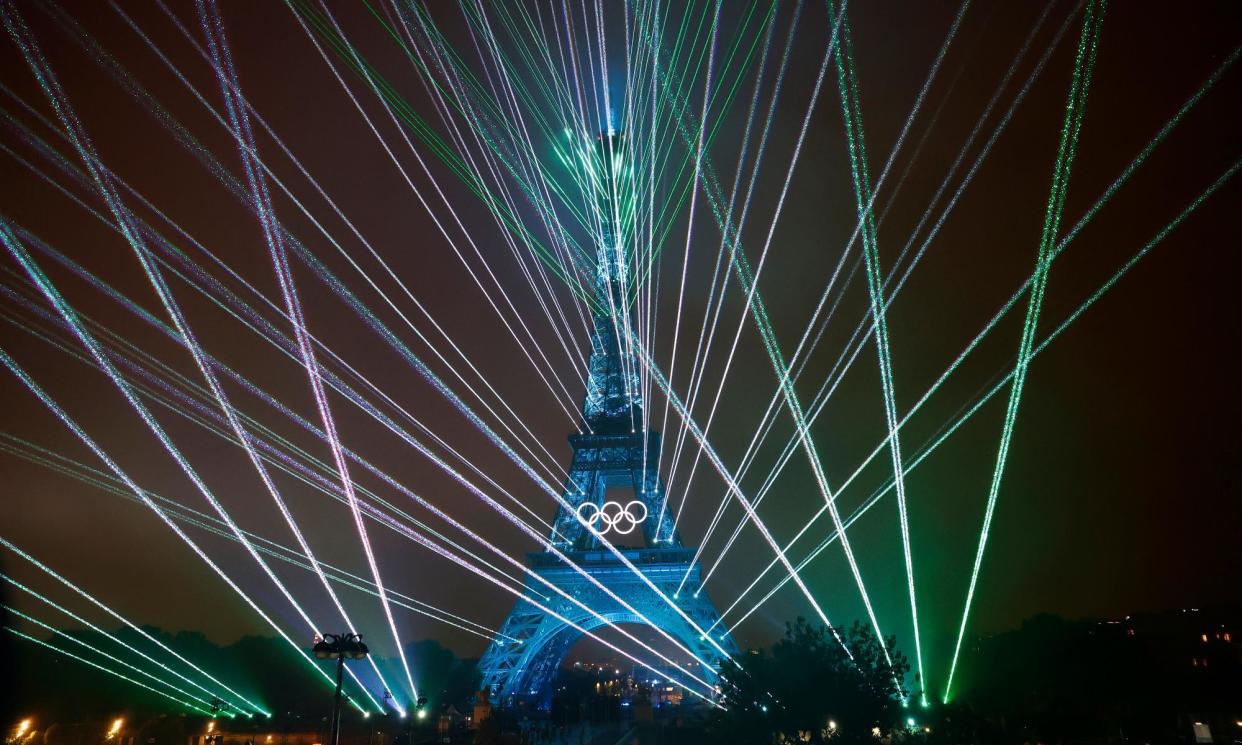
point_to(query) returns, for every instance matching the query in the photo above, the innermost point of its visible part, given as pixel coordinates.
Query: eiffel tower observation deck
(616, 455)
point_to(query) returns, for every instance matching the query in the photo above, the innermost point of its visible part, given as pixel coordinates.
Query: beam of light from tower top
(248, 705)
(79, 642)
(1070, 128)
(130, 228)
(84, 474)
(108, 670)
(60, 414)
(735, 490)
(240, 191)
(754, 304)
(396, 485)
(214, 31)
(948, 429)
(847, 82)
(847, 358)
(295, 316)
(124, 221)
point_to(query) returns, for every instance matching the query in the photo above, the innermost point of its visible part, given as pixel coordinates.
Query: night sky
(1121, 492)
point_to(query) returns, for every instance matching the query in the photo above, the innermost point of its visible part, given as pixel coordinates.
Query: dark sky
(1121, 491)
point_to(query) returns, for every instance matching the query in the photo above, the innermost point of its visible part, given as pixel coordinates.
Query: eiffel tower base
(524, 671)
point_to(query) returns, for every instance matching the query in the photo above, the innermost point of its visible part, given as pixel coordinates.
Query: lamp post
(420, 714)
(220, 706)
(339, 647)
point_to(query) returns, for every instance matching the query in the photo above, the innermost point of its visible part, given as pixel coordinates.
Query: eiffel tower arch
(615, 452)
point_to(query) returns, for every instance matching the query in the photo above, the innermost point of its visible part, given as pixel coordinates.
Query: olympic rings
(612, 515)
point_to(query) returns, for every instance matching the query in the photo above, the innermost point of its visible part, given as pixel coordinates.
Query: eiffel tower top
(613, 398)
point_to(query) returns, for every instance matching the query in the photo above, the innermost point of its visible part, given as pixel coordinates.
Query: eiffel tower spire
(613, 397)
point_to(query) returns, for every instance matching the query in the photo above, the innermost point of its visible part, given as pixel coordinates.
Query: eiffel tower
(615, 452)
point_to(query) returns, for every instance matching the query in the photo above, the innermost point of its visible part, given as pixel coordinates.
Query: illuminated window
(1194, 661)
(1227, 637)
(1203, 637)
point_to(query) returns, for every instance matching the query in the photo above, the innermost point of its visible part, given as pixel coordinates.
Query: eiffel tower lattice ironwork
(617, 452)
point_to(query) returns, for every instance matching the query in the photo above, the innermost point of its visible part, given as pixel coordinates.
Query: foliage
(443, 677)
(811, 686)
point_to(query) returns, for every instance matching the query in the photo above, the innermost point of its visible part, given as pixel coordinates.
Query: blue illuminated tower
(616, 453)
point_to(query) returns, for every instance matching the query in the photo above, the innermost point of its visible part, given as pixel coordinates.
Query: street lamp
(339, 647)
(220, 706)
(420, 714)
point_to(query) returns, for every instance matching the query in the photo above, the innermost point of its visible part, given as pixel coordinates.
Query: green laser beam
(1070, 128)
(107, 670)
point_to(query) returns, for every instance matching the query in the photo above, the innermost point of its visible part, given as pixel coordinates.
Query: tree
(443, 677)
(814, 685)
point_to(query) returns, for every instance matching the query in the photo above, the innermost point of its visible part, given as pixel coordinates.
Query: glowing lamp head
(832, 725)
(24, 726)
(116, 726)
(422, 714)
(211, 726)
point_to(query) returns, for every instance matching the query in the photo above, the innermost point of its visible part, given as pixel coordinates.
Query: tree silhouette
(810, 686)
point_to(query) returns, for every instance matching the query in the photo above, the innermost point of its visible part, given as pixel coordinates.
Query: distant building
(482, 709)
(1197, 649)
